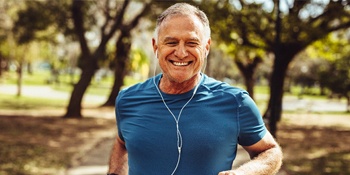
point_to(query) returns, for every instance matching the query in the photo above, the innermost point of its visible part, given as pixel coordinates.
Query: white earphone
(176, 119)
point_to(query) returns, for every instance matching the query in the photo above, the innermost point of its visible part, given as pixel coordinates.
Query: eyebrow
(173, 38)
(169, 39)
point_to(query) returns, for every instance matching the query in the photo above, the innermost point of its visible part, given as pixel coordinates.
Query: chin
(181, 79)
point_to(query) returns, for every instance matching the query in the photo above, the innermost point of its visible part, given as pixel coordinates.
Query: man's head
(181, 41)
(183, 9)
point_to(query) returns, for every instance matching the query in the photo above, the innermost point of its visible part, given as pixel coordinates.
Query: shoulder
(137, 90)
(226, 91)
(214, 85)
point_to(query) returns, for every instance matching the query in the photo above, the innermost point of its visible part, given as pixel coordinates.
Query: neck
(172, 87)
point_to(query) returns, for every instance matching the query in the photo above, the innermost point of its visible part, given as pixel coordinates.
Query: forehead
(181, 25)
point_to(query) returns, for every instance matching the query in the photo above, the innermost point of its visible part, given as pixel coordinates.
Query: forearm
(265, 163)
(118, 162)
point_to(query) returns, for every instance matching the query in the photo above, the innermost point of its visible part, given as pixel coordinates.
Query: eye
(192, 44)
(171, 43)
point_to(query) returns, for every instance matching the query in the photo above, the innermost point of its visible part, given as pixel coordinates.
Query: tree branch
(136, 20)
(79, 26)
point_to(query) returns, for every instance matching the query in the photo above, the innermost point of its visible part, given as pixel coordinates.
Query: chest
(204, 123)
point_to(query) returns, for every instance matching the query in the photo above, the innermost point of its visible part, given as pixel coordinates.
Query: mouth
(177, 63)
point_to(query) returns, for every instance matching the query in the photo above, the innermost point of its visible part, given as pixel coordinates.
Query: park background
(62, 64)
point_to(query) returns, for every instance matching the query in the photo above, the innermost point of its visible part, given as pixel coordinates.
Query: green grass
(40, 78)
(66, 81)
(103, 88)
(37, 78)
(262, 90)
(14, 102)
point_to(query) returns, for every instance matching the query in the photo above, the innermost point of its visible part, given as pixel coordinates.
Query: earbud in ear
(156, 53)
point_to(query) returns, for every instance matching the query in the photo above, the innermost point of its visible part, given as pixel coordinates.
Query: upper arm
(266, 143)
(118, 158)
(119, 152)
(251, 125)
(120, 143)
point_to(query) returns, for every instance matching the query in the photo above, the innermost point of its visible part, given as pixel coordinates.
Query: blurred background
(62, 64)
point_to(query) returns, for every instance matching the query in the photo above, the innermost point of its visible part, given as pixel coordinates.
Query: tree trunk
(74, 107)
(284, 54)
(348, 105)
(274, 109)
(88, 63)
(122, 56)
(20, 78)
(250, 83)
(248, 72)
(1, 65)
(119, 75)
(30, 68)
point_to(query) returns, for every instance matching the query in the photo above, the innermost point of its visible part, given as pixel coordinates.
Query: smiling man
(182, 121)
(182, 45)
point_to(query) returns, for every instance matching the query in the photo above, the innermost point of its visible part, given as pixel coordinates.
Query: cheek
(201, 55)
(164, 53)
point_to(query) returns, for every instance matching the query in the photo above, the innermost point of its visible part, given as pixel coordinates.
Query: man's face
(181, 47)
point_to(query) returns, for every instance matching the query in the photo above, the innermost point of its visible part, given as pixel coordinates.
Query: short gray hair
(183, 9)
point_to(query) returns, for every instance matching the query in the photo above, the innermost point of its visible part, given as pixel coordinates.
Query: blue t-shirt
(212, 124)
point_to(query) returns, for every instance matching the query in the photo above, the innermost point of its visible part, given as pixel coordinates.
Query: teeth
(180, 63)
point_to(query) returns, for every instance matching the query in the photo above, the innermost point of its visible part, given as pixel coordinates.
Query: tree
(89, 58)
(245, 55)
(246, 60)
(334, 74)
(35, 23)
(104, 18)
(325, 64)
(283, 33)
(5, 29)
(123, 46)
(304, 71)
(292, 39)
(339, 78)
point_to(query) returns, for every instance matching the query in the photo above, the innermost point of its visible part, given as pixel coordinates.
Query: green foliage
(139, 62)
(337, 76)
(333, 72)
(247, 25)
(47, 17)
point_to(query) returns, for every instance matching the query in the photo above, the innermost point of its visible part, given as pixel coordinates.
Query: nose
(181, 51)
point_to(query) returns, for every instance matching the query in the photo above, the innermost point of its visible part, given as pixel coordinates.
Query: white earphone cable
(178, 133)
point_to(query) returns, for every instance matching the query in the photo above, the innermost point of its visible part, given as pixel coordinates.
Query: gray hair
(183, 9)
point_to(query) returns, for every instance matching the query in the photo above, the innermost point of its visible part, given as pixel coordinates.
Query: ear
(155, 47)
(207, 47)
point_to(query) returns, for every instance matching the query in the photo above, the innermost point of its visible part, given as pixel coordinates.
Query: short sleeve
(117, 114)
(251, 125)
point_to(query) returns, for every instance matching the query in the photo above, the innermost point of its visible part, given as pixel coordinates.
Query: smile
(181, 63)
